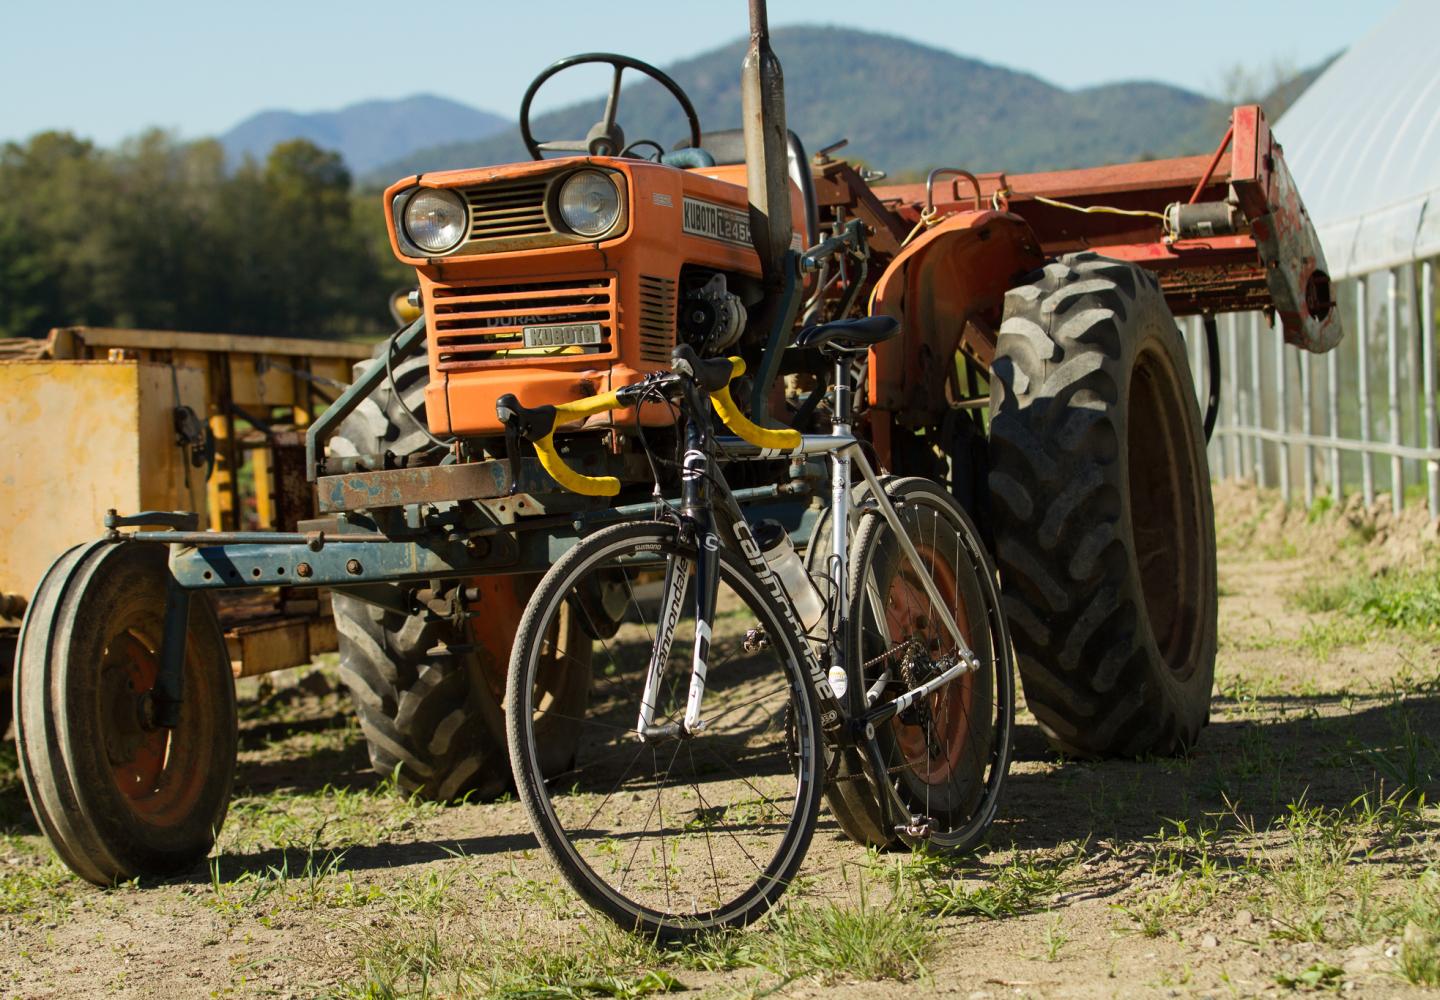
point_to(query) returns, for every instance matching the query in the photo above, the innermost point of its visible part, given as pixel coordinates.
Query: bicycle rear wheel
(944, 758)
(679, 834)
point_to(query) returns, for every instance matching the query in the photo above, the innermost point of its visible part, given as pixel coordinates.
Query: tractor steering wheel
(606, 138)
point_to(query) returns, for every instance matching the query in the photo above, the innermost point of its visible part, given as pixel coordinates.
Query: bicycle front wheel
(945, 757)
(680, 832)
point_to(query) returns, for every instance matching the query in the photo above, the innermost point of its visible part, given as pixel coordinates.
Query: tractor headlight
(589, 202)
(435, 220)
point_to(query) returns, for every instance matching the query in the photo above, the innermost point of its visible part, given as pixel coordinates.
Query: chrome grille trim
(479, 323)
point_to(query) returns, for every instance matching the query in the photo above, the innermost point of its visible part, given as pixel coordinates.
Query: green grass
(331, 817)
(1028, 883)
(37, 889)
(833, 942)
(1315, 976)
(438, 960)
(421, 950)
(1405, 600)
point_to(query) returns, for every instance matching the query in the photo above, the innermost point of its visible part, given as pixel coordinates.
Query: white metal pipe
(1407, 451)
(1427, 362)
(1282, 408)
(1238, 462)
(1392, 385)
(1256, 395)
(1362, 373)
(1332, 407)
(1307, 471)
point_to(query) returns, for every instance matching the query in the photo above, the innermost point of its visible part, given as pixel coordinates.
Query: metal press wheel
(118, 795)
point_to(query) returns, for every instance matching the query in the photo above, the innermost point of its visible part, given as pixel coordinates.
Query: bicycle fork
(697, 515)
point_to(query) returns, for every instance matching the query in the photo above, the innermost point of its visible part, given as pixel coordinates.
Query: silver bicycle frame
(845, 453)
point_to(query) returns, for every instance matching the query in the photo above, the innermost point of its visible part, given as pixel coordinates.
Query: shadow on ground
(1281, 751)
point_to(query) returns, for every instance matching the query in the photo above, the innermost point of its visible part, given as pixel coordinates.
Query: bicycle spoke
(691, 831)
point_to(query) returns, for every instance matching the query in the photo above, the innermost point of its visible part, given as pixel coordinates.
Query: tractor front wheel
(1104, 524)
(118, 794)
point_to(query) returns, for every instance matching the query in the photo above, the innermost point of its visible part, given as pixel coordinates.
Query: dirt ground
(1295, 849)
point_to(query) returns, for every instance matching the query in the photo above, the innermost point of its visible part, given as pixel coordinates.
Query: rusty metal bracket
(462, 481)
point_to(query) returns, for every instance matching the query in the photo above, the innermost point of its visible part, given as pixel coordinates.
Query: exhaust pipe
(762, 96)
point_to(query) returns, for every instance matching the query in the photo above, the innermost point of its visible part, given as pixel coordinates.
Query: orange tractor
(1039, 372)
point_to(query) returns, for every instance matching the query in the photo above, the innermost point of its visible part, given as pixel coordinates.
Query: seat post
(842, 393)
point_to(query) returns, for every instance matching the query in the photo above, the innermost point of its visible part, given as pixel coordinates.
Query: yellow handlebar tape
(551, 462)
(779, 438)
(575, 482)
(761, 437)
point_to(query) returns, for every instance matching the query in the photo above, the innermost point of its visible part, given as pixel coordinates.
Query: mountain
(367, 134)
(905, 107)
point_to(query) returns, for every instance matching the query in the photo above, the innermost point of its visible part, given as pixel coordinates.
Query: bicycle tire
(966, 751)
(578, 859)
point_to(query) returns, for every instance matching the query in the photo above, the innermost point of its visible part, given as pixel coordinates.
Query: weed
(1408, 763)
(834, 941)
(1405, 600)
(37, 890)
(1323, 505)
(1152, 914)
(1026, 884)
(1317, 976)
(332, 817)
(309, 887)
(434, 961)
(1055, 938)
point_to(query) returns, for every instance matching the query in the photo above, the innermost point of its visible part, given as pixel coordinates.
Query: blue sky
(109, 69)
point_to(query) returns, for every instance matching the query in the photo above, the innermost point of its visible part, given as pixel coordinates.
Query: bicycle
(695, 791)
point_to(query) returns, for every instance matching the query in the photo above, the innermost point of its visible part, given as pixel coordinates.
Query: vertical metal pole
(1282, 410)
(1332, 406)
(1231, 392)
(1427, 361)
(1307, 426)
(1257, 409)
(1392, 385)
(1362, 342)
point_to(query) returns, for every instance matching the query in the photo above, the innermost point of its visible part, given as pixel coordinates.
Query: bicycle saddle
(849, 334)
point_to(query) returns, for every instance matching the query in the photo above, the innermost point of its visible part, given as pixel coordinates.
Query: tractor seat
(849, 334)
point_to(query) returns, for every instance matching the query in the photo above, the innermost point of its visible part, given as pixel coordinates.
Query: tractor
(1040, 374)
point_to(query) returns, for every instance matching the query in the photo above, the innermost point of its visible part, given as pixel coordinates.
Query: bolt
(303, 571)
(353, 567)
(479, 548)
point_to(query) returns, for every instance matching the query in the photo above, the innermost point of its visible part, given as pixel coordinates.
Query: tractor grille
(508, 209)
(476, 323)
(657, 319)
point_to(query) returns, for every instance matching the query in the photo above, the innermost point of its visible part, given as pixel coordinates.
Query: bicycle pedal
(919, 828)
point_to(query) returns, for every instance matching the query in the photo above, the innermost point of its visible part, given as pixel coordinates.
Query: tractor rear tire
(427, 723)
(379, 433)
(1104, 523)
(426, 691)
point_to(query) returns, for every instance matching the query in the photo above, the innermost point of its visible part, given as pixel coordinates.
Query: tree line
(163, 234)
